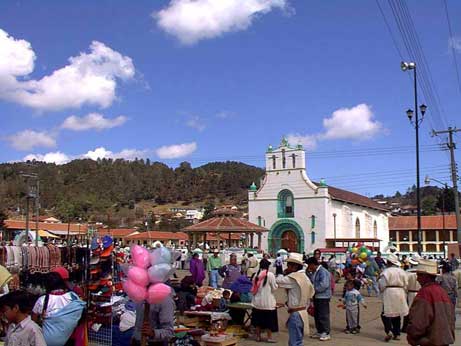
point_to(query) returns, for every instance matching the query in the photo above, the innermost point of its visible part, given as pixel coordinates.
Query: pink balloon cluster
(147, 271)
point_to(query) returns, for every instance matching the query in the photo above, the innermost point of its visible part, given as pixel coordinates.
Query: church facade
(302, 215)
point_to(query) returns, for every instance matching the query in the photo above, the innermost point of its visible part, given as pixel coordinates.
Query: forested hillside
(87, 188)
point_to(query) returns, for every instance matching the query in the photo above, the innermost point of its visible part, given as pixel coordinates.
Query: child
(23, 331)
(224, 301)
(352, 298)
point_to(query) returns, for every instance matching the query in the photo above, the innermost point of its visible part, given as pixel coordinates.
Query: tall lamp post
(412, 66)
(427, 181)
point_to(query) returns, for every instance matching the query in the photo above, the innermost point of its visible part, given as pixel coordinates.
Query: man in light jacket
(321, 279)
(393, 282)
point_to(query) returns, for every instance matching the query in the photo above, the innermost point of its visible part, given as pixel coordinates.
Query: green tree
(208, 210)
(429, 205)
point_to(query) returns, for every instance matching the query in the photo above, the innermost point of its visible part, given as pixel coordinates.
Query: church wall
(309, 200)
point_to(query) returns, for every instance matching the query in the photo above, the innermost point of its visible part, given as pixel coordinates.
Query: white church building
(303, 216)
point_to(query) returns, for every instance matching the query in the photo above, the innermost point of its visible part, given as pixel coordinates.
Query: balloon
(355, 262)
(354, 250)
(136, 292)
(363, 265)
(157, 293)
(159, 272)
(369, 253)
(138, 276)
(349, 249)
(368, 263)
(160, 255)
(140, 256)
(363, 255)
(363, 249)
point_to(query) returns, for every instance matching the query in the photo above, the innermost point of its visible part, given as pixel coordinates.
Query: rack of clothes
(28, 263)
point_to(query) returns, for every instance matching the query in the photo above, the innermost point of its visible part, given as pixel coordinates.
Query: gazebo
(224, 223)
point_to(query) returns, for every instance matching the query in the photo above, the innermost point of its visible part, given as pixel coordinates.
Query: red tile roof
(354, 198)
(21, 225)
(116, 232)
(157, 235)
(409, 223)
(222, 236)
(225, 224)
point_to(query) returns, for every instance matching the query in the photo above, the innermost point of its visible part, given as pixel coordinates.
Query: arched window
(284, 160)
(375, 230)
(357, 228)
(259, 220)
(273, 162)
(293, 158)
(285, 205)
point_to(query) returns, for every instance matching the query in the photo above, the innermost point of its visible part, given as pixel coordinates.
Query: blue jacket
(321, 280)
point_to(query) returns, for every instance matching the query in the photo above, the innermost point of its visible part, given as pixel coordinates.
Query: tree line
(88, 189)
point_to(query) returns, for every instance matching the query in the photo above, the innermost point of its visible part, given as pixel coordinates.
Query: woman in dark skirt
(264, 315)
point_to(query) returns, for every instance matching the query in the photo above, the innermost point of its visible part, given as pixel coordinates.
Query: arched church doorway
(289, 241)
(286, 234)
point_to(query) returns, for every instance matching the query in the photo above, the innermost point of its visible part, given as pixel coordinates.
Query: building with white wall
(302, 215)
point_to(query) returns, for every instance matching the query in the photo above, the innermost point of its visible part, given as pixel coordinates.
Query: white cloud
(92, 121)
(196, 123)
(88, 79)
(351, 123)
(16, 56)
(126, 154)
(176, 151)
(455, 43)
(309, 142)
(193, 20)
(54, 157)
(29, 139)
(224, 115)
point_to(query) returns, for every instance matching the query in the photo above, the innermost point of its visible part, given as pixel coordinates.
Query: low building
(117, 234)
(170, 239)
(437, 231)
(12, 227)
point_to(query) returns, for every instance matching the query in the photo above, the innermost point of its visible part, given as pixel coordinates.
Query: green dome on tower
(253, 187)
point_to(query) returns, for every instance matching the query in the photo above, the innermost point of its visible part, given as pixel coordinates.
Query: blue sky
(211, 80)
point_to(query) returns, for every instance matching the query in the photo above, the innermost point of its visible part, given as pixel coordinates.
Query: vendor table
(248, 307)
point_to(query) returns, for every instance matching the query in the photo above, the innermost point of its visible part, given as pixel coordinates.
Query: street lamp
(406, 66)
(427, 181)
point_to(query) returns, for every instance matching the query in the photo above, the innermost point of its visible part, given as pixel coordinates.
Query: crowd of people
(409, 286)
(418, 297)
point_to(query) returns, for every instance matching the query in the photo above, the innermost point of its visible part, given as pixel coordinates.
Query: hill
(92, 190)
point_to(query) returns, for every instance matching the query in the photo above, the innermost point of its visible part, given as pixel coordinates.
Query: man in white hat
(300, 291)
(431, 317)
(393, 283)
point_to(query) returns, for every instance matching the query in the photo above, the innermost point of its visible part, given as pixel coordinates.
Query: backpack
(58, 328)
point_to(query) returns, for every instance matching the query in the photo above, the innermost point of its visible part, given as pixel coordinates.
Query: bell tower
(285, 157)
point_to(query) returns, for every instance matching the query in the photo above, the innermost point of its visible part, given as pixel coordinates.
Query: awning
(46, 234)
(65, 233)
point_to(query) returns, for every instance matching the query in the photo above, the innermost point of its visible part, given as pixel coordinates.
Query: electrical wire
(450, 31)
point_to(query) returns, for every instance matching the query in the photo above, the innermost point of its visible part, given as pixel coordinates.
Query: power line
(450, 31)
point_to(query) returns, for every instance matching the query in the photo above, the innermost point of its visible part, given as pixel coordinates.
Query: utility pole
(454, 175)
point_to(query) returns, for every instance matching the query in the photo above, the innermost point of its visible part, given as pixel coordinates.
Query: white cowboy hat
(426, 267)
(393, 259)
(295, 257)
(414, 259)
